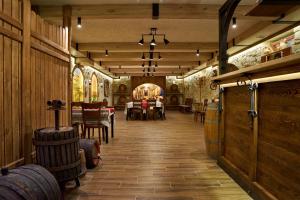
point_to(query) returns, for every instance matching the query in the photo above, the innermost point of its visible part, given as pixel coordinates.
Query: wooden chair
(201, 110)
(91, 115)
(74, 119)
(187, 106)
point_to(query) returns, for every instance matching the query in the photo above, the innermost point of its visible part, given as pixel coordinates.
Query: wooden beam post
(25, 79)
(225, 15)
(67, 23)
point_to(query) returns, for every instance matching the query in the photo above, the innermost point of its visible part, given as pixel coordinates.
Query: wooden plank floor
(157, 160)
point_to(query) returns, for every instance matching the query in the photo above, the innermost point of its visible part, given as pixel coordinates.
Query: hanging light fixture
(154, 35)
(234, 25)
(151, 55)
(143, 57)
(141, 42)
(153, 43)
(106, 52)
(159, 56)
(166, 41)
(156, 65)
(154, 70)
(199, 63)
(198, 53)
(79, 22)
(143, 65)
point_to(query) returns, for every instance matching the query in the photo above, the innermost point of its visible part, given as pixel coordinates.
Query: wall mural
(148, 91)
(106, 88)
(94, 88)
(78, 82)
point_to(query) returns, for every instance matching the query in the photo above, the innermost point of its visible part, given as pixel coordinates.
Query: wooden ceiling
(188, 25)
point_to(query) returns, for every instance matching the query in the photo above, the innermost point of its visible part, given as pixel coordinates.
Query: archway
(78, 82)
(94, 88)
(148, 91)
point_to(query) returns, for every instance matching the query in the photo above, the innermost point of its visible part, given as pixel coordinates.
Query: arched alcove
(148, 91)
(94, 89)
(78, 85)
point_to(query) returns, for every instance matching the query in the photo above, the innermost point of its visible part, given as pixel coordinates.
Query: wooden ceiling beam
(150, 73)
(157, 69)
(134, 47)
(166, 56)
(139, 63)
(144, 11)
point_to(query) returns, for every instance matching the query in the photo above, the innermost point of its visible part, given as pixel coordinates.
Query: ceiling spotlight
(79, 22)
(143, 65)
(148, 69)
(154, 70)
(144, 70)
(143, 57)
(166, 41)
(153, 43)
(141, 42)
(198, 53)
(106, 52)
(234, 25)
(199, 63)
(159, 56)
(156, 65)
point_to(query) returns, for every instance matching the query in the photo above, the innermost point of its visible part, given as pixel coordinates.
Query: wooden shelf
(270, 65)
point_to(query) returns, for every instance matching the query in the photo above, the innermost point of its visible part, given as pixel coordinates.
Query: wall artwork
(77, 85)
(106, 88)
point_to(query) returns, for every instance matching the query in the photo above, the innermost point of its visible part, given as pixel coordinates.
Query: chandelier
(154, 35)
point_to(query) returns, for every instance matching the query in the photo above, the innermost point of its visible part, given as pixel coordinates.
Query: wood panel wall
(263, 155)
(237, 135)
(48, 75)
(278, 158)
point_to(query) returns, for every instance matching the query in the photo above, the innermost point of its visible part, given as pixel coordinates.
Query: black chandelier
(153, 34)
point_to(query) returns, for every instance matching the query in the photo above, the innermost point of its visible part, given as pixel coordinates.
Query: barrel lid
(61, 129)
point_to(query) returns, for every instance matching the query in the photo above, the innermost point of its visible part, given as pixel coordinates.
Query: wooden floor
(157, 160)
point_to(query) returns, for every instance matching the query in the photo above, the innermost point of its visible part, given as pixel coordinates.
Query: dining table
(107, 118)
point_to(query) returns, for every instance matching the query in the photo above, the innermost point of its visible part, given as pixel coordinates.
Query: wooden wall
(46, 76)
(263, 154)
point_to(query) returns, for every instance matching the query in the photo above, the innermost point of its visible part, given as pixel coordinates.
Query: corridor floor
(157, 160)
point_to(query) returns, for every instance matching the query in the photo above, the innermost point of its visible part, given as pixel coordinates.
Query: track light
(141, 42)
(153, 43)
(106, 52)
(166, 41)
(79, 22)
(143, 57)
(198, 53)
(234, 25)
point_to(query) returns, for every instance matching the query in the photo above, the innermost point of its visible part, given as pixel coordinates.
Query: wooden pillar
(67, 23)
(25, 76)
(225, 15)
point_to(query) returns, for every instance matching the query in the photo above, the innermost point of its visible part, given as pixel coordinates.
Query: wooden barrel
(92, 152)
(211, 130)
(29, 182)
(82, 162)
(58, 152)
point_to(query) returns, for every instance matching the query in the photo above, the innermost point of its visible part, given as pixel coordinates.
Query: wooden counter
(263, 153)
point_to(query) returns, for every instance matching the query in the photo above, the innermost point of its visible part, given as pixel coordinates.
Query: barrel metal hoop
(54, 143)
(64, 167)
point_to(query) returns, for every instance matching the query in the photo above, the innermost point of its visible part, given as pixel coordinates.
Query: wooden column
(67, 23)
(25, 75)
(225, 15)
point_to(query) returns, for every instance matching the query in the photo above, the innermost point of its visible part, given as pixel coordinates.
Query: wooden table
(107, 118)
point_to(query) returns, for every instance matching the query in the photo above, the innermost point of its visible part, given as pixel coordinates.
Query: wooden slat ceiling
(189, 25)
